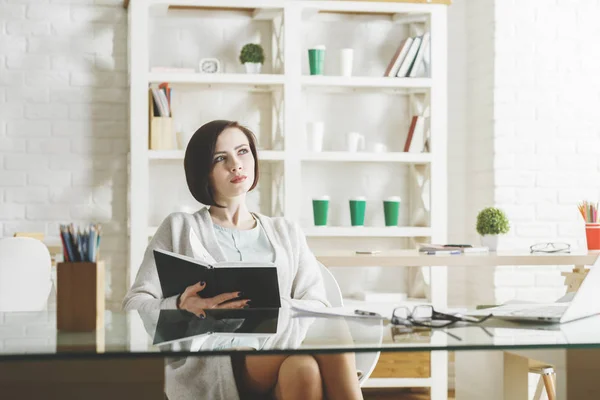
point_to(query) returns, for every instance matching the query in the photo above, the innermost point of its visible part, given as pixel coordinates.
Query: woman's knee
(301, 372)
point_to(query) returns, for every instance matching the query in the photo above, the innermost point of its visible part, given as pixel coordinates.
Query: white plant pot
(252, 68)
(490, 241)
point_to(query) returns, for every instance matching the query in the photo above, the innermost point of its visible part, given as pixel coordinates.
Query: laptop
(584, 303)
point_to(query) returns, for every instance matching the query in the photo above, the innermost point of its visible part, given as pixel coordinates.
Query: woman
(221, 166)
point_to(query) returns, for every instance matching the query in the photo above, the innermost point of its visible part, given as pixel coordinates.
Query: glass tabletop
(173, 332)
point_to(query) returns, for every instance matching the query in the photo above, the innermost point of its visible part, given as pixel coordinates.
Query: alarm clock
(209, 66)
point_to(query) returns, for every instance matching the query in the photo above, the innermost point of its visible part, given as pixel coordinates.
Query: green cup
(357, 211)
(316, 60)
(391, 210)
(320, 210)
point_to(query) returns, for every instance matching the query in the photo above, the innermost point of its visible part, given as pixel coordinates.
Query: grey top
(193, 235)
(241, 245)
(245, 245)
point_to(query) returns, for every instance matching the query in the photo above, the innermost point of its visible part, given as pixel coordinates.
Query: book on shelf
(415, 139)
(411, 58)
(418, 66)
(398, 58)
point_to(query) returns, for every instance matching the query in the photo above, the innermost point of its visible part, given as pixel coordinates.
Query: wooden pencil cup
(162, 130)
(80, 296)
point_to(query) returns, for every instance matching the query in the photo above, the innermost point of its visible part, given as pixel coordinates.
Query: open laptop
(585, 302)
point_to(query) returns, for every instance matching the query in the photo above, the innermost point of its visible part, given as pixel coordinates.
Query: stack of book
(439, 249)
(411, 58)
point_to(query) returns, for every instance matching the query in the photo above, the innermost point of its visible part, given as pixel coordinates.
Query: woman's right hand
(190, 301)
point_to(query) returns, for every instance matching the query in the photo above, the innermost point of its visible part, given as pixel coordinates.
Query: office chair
(365, 362)
(25, 275)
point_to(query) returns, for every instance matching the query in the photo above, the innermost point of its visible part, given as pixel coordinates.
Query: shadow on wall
(90, 54)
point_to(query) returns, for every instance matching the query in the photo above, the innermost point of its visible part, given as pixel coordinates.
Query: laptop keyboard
(539, 312)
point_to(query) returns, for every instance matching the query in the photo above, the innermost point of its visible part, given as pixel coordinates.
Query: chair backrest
(332, 289)
(25, 275)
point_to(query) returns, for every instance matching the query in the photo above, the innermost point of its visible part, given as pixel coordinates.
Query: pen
(361, 312)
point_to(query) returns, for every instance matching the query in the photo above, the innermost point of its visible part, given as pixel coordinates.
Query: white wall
(533, 137)
(63, 122)
(523, 94)
(546, 130)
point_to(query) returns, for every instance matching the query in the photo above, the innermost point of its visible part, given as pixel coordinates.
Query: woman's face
(233, 165)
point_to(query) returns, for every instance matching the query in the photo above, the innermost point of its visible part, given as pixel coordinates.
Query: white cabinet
(279, 103)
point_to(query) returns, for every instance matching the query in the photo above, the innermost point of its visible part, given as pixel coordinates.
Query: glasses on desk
(426, 316)
(550, 247)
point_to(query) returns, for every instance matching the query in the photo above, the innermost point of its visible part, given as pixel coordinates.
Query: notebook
(176, 325)
(257, 281)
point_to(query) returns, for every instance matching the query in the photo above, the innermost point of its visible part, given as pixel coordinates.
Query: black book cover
(173, 325)
(258, 282)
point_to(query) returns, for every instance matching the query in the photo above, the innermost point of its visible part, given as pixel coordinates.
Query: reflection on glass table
(134, 334)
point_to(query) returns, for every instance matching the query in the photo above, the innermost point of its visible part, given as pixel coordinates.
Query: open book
(257, 281)
(175, 325)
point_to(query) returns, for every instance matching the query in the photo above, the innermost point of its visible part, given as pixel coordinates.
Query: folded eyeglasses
(426, 316)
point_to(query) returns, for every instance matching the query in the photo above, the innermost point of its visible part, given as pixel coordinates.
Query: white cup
(355, 142)
(314, 136)
(378, 148)
(346, 61)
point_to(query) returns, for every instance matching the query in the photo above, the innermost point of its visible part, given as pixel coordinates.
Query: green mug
(316, 60)
(358, 206)
(320, 210)
(391, 210)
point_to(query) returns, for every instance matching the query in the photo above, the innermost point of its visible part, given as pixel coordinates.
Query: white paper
(334, 311)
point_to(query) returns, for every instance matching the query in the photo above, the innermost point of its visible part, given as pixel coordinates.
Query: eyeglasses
(550, 247)
(425, 315)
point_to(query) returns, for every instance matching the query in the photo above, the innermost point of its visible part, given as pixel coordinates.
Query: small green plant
(492, 221)
(252, 53)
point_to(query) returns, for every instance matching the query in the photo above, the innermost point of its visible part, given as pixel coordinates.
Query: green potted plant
(491, 222)
(252, 57)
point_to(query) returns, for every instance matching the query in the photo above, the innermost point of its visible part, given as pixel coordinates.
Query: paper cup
(358, 206)
(391, 210)
(320, 210)
(316, 60)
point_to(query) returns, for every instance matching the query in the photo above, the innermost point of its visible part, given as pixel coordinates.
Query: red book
(411, 131)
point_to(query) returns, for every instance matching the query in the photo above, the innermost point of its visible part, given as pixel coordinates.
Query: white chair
(25, 275)
(365, 362)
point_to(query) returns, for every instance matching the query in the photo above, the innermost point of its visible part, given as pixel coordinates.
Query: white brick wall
(546, 140)
(63, 121)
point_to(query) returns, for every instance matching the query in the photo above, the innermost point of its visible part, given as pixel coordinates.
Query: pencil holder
(79, 296)
(592, 235)
(162, 130)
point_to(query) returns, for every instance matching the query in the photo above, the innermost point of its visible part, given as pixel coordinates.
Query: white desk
(399, 258)
(439, 299)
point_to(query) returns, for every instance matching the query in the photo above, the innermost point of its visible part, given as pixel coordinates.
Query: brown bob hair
(198, 160)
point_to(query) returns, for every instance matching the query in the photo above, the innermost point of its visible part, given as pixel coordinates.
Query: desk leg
(498, 375)
(582, 372)
(573, 279)
(99, 379)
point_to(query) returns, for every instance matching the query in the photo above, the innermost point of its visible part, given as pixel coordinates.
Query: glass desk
(133, 346)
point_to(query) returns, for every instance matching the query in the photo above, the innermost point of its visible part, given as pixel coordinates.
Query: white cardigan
(193, 235)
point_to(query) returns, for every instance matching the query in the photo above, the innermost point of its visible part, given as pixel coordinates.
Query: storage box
(162, 130)
(79, 296)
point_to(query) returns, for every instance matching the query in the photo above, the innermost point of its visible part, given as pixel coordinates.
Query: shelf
(217, 79)
(263, 155)
(355, 231)
(413, 85)
(400, 157)
(366, 231)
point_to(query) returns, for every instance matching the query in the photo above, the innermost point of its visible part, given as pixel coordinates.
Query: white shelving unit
(288, 85)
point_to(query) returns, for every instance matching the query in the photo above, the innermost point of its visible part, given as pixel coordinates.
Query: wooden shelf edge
(446, 2)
